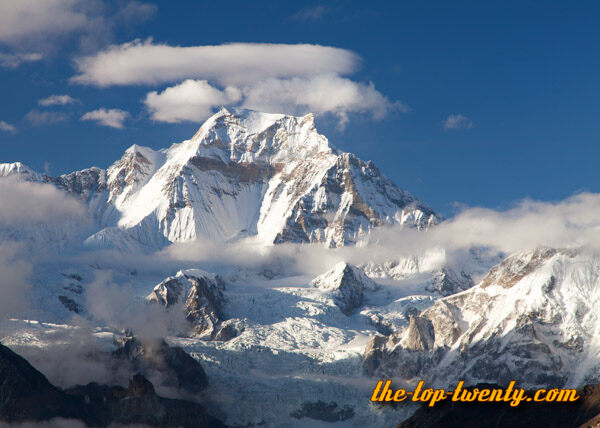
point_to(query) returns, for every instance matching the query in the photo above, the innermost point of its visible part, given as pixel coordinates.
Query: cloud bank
(292, 79)
(147, 63)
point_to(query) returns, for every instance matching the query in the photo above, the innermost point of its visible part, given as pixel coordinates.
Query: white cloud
(292, 79)
(191, 100)
(194, 100)
(7, 127)
(14, 60)
(39, 118)
(57, 100)
(319, 94)
(457, 121)
(146, 63)
(43, 23)
(113, 118)
(35, 203)
(25, 18)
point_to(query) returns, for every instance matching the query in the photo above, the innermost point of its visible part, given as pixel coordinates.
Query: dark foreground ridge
(26, 395)
(583, 413)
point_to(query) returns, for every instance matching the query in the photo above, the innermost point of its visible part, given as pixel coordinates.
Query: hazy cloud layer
(147, 63)
(572, 222)
(457, 121)
(37, 203)
(113, 118)
(7, 127)
(14, 285)
(57, 100)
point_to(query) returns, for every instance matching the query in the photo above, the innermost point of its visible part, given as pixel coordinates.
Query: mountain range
(319, 310)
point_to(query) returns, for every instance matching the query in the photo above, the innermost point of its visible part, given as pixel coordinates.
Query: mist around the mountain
(25, 202)
(528, 224)
(25, 207)
(117, 306)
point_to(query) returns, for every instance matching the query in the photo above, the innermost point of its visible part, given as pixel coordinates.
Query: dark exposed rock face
(322, 411)
(26, 395)
(139, 404)
(177, 368)
(581, 413)
(200, 296)
(70, 304)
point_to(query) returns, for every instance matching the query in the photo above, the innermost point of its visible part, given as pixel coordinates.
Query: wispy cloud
(7, 127)
(39, 118)
(57, 100)
(457, 121)
(315, 13)
(14, 60)
(113, 118)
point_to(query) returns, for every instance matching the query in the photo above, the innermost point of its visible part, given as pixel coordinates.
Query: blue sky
(520, 79)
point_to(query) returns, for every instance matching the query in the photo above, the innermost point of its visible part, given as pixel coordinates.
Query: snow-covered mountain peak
(131, 172)
(247, 136)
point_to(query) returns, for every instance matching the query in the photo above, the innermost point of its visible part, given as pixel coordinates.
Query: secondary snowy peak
(20, 172)
(533, 317)
(131, 172)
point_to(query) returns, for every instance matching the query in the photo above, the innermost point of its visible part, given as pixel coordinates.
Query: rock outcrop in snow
(347, 284)
(198, 294)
